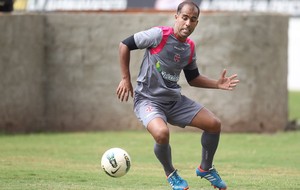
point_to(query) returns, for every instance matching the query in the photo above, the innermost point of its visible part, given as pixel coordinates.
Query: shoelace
(175, 179)
(213, 170)
(214, 174)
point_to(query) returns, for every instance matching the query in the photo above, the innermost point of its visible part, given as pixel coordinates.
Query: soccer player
(157, 96)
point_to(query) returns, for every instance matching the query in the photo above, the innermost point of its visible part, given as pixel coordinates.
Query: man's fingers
(233, 76)
(224, 73)
(235, 81)
(118, 91)
(232, 85)
(124, 90)
(123, 95)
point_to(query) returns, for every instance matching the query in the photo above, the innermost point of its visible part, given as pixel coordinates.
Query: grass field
(72, 161)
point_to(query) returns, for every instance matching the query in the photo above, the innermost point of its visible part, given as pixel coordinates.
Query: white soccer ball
(115, 162)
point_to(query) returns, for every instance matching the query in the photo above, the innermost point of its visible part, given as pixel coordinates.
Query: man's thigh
(183, 112)
(206, 121)
(146, 111)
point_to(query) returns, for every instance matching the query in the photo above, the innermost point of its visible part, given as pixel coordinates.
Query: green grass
(72, 161)
(294, 105)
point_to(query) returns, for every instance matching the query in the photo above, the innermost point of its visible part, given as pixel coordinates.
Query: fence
(290, 7)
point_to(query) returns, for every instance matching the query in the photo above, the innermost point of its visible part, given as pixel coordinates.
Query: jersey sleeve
(191, 71)
(192, 65)
(148, 38)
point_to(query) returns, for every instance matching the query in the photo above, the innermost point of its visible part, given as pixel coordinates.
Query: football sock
(163, 154)
(209, 143)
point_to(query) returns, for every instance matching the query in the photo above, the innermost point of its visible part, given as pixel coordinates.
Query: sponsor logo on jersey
(157, 65)
(179, 48)
(165, 75)
(168, 76)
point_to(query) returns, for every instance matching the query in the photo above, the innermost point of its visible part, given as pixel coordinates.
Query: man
(157, 97)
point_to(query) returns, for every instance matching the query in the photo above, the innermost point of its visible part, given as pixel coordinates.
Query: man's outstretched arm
(224, 83)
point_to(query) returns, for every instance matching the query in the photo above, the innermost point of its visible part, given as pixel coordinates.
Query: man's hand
(124, 89)
(227, 83)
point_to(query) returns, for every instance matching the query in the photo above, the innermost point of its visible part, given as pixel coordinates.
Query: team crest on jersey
(149, 109)
(177, 58)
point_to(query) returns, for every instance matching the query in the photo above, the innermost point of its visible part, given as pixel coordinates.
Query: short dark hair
(187, 3)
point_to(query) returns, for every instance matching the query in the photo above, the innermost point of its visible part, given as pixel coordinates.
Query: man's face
(186, 21)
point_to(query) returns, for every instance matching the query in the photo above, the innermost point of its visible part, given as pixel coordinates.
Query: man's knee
(216, 125)
(161, 136)
(213, 125)
(159, 130)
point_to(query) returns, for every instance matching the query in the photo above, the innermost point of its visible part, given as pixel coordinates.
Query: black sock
(209, 143)
(163, 154)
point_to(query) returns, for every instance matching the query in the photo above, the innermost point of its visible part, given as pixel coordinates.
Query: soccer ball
(115, 162)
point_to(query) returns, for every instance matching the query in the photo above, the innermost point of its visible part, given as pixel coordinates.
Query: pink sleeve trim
(189, 41)
(166, 33)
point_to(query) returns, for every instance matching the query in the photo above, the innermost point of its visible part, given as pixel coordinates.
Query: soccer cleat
(176, 182)
(213, 177)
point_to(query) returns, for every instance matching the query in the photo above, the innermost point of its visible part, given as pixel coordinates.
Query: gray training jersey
(164, 59)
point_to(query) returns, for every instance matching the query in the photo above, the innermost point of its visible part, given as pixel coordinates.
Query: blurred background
(291, 7)
(55, 56)
(59, 69)
(285, 6)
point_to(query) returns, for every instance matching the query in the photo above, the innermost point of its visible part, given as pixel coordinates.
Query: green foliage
(294, 105)
(72, 161)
